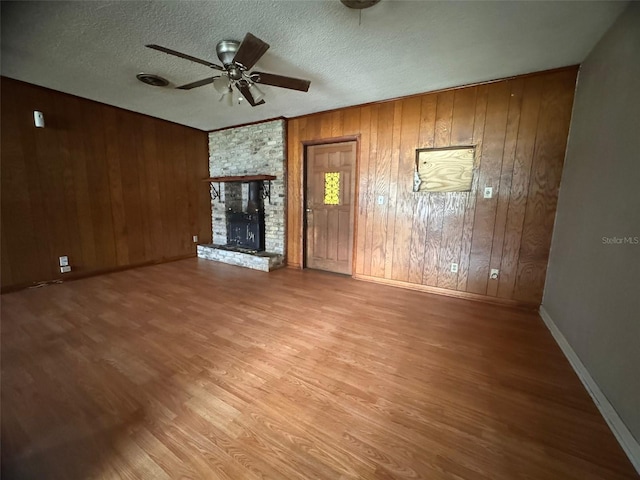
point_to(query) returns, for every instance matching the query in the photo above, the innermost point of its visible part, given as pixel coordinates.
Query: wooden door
(330, 194)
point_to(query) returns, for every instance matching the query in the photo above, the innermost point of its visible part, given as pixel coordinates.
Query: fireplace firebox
(246, 229)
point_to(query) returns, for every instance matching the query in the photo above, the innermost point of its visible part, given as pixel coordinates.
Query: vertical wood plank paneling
(513, 123)
(127, 153)
(199, 150)
(98, 179)
(83, 190)
(18, 210)
(373, 161)
(182, 202)
(50, 166)
(438, 201)
(405, 203)
(36, 218)
(394, 179)
(191, 149)
(415, 238)
(337, 119)
(382, 187)
(489, 175)
(551, 139)
(364, 184)
(519, 185)
(444, 119)
(295, 204)
(464, 109)
(462, 121)
(172, 189)
(115, 186)
(435, 206)
(154, 206)
(93, 185)
(145, 193)
(351, 121)
(326, 125)
(426, 137)
(482, 96)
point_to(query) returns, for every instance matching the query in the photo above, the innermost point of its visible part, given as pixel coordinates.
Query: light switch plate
(488, 192)
(380, 199)
(195, 239)
(64, 261)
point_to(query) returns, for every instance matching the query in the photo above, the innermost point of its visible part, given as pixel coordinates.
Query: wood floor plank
(199, 370)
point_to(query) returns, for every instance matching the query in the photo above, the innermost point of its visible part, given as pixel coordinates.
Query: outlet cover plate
(65, 269)
(488, 192)
(64, 261)
(454, 268)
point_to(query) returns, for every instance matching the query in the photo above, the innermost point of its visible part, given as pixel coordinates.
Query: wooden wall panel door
(330, 227)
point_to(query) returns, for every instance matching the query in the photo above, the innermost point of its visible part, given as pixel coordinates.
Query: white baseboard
(627, 441)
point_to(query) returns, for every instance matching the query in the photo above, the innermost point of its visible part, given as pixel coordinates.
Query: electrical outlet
(488, 192)
(380, 199)
(195, 239)
(65, 269)
(454, 268)
(64, 261)
(494, 274)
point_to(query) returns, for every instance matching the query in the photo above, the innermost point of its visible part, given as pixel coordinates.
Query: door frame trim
(356, 194)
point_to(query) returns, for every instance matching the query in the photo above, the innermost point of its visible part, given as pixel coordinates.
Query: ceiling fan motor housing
(226, 50)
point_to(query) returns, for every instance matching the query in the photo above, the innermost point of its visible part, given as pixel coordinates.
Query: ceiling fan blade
(250, 51)
(281, 81)
(246, 93)
(199, 83)
(185, 56)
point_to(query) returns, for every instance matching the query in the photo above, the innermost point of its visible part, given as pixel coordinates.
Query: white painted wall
(592, 291)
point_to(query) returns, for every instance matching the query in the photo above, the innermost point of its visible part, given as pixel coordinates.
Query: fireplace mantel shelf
(241, 178)
(266, 188)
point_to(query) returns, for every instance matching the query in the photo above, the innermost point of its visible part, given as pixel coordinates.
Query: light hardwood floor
(199, 370)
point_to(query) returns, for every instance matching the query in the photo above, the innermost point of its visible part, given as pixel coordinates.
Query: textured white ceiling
(94, 49)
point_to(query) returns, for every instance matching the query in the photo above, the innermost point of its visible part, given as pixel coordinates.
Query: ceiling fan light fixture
(227, 98)
(221, 84)
(256, 93)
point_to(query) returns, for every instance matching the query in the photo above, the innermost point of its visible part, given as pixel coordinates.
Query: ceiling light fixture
(221, 84)
(256, 93)
(242, 81)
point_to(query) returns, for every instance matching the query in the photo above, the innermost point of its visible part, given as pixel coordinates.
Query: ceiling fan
(237, 61)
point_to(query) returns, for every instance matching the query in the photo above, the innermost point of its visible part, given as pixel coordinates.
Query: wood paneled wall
(520, 129)
(107, 187)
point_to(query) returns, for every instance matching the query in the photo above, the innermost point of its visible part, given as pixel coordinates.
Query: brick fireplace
(240, 152)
